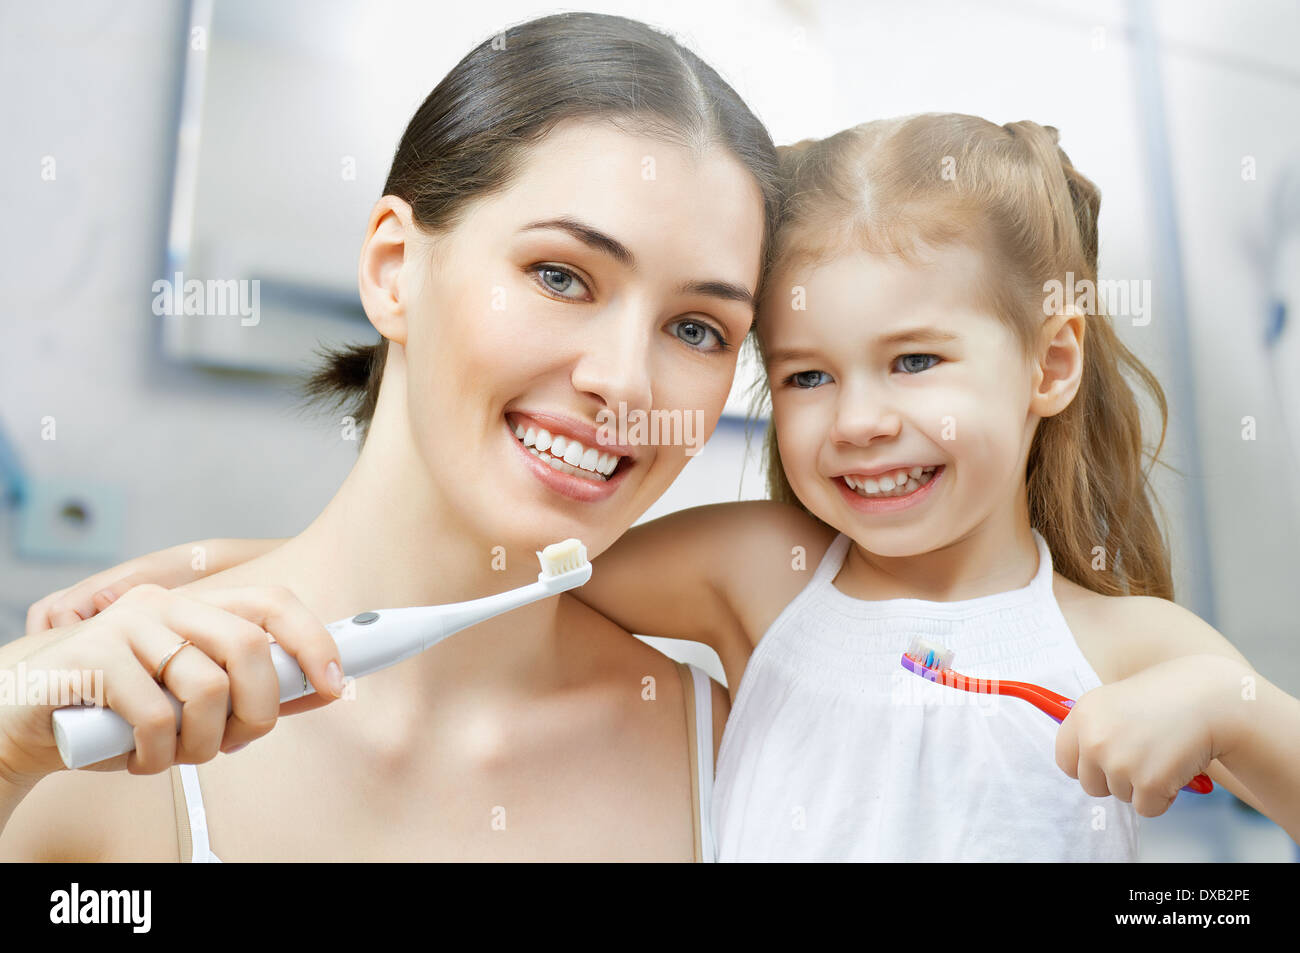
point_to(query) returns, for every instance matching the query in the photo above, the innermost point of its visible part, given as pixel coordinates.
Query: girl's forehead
(850, 268)
(858, 292)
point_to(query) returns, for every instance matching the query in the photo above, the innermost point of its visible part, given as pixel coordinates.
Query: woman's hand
(168, 568)
(230, 659)
(1142, 738)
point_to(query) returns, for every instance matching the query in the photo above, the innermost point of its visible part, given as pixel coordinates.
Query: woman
(573, 224)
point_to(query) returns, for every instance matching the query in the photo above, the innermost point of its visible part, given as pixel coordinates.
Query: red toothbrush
(934, 663)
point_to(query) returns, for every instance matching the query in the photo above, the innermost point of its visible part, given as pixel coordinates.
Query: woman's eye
(559, 281)
(696, 333)
(806, 380)
(915, 363)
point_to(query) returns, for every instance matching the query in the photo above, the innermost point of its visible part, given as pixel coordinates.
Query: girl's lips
(567, 485)
(888, 504)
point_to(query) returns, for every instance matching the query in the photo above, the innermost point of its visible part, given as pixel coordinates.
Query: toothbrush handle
(1058, 706)
(87, 735)
(366, 642)
(1046, 700)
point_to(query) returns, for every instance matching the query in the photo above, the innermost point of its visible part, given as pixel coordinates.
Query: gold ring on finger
(158, 672)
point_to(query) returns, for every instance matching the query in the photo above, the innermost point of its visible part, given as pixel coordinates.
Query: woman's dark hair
(469, 136)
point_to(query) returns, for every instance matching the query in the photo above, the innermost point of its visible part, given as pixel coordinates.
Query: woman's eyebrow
(592, 237)
(595, 238)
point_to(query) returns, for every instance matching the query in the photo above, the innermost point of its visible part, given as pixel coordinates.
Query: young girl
(955, 456)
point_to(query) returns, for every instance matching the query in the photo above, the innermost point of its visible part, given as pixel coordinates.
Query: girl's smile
(884, 493)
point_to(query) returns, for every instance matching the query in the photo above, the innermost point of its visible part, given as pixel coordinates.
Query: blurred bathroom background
(239, 140)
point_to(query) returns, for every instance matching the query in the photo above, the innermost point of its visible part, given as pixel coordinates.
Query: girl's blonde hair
(893, 186)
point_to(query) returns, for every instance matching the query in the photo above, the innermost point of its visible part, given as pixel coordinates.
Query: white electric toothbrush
(367, 643)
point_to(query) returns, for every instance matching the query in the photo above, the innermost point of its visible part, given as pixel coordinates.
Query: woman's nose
(615, 364)
(864, 414)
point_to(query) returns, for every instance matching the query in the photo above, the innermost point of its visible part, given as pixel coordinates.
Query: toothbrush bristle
(559, 558)
(930, 655)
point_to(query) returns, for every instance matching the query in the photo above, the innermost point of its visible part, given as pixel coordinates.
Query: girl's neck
(999, 555)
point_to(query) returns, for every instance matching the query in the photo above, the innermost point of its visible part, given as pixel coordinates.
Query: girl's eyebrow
(790, 354)
(908, 336)
(595, 238)
(917, 335)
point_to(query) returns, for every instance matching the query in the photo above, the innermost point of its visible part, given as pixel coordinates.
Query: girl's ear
(385, 250)
(1058, 369)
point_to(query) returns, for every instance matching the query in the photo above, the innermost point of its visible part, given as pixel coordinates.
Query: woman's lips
(565, 484)
(889, 504)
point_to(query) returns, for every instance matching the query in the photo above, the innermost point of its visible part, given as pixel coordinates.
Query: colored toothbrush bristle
(562, 557)
(930, 655)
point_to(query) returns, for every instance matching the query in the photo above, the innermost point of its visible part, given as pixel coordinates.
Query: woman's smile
(578, 470)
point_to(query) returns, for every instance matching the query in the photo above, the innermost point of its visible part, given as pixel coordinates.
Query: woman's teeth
(899, 483)
(567, 455)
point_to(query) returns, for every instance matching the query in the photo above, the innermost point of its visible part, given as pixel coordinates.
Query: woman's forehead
(659, 199)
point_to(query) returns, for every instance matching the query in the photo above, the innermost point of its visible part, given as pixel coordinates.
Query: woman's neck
(388, 539)
(999, 555)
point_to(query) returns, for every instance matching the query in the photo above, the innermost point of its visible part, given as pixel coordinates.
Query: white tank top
(834, 751)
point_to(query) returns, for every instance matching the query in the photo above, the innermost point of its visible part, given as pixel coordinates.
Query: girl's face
(615, 275)
(902, 407)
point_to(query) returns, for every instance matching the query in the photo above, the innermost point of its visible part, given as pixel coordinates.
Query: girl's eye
(695, 333)
(559, 281)
(915, 363)
(806, 380)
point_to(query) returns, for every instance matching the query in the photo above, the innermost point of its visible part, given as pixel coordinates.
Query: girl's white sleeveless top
(834, 751)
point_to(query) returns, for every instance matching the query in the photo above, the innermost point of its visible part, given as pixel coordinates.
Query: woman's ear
(1058, 369)
(386, 248)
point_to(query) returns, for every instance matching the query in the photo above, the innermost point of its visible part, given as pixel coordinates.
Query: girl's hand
(168, 568)
(1142, 738)
(229, 659)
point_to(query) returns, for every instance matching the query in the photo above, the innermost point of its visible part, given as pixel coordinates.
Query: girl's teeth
(566, 454)
(895, 484)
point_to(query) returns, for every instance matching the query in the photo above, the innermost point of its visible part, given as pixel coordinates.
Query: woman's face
(615, 276)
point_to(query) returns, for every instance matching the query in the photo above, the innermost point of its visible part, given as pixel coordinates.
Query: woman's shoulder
(95, 816)
(1123, 635)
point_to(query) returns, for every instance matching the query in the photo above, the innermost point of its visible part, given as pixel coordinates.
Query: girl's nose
(862, 416)
(615, 363)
